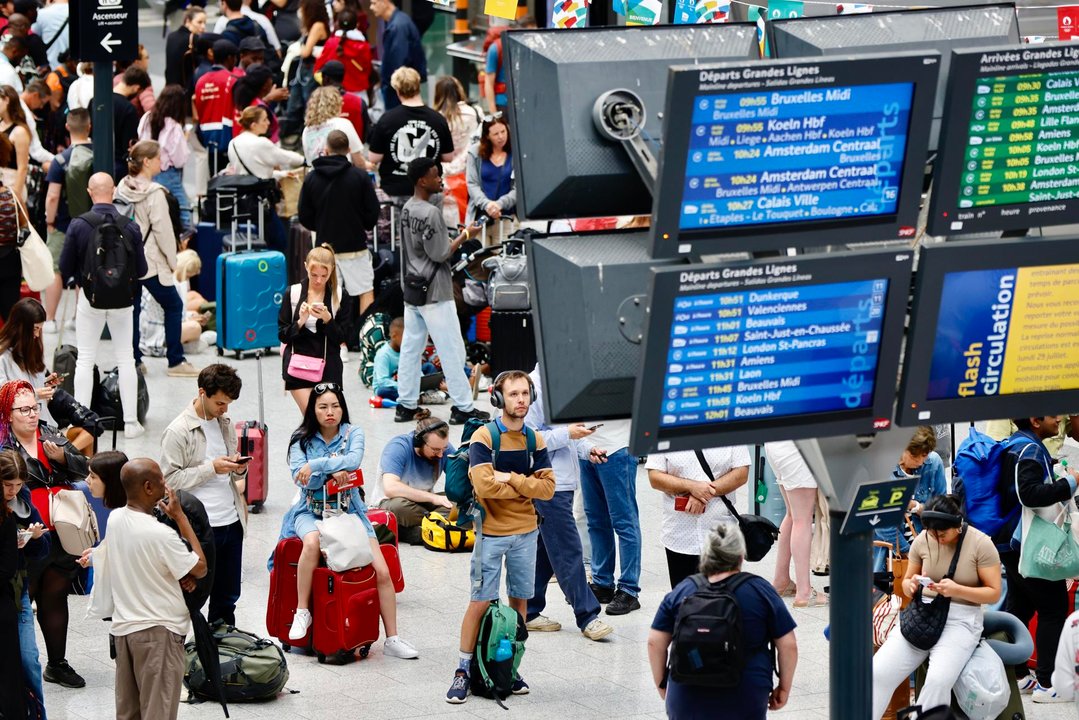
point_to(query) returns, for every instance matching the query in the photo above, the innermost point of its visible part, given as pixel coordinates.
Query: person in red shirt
(353, 107)
(349, 47)
(212, 105)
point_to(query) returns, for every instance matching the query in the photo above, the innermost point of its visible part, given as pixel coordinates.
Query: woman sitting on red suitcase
(327, 448)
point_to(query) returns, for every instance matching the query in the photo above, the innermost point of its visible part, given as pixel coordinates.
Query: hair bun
(422, 414)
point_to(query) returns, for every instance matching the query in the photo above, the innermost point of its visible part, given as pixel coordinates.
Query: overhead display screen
(995, 332)
(776, 349)
(793, 153)
(1010, 152)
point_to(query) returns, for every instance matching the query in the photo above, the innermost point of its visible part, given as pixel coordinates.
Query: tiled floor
(570, 676)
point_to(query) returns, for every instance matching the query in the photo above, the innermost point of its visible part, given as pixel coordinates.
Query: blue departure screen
(782, 156)
(760, 354)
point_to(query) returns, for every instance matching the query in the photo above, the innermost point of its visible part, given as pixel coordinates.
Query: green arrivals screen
(1023, 142)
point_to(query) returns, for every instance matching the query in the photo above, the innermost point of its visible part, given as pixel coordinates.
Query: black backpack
(108, 273)
(708, 646)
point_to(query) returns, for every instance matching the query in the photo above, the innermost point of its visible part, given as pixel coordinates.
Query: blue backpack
(458, 483)
(977, 466)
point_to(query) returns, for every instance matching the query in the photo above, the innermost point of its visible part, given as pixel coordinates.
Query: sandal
(788, 591)
(815, 600)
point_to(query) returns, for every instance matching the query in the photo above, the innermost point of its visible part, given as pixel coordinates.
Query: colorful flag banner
(1067, 22)
(756, 15)
(685, 12)
(570, 14)
(501, 8)
(645, 12)
(782, 9)
(712, 11)
(619, 6)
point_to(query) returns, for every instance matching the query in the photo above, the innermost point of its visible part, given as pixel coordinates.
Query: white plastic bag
(982, 688)
(344, 541)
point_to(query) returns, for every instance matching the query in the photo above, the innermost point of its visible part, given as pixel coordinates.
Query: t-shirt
(352, 110)
(978, 552)
(387, 361)
(216, 494)
(426, 248)
(314, 137)
(764, 618)
(400, 458)
(142, 564)
(682, 532)
(58, 174)
(402, 135)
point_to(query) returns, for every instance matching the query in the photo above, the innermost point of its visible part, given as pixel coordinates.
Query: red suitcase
(251, 441)
(346, 613)
(390, 552)
(282, 601)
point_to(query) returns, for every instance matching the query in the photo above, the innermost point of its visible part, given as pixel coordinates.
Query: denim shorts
(520, 554)
(305, 520)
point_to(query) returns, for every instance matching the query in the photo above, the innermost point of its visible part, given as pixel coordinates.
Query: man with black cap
(252, 51)
(353, 108)
(213, 106)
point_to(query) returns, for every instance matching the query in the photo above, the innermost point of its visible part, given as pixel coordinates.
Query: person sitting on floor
(388, 358)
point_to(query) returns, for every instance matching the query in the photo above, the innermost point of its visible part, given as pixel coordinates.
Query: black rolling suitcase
(513, 341)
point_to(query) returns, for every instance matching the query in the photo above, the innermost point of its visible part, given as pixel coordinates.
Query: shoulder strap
(94, 219)
(958, 550)
(708, 471)
(241, 159)
(59, 32)
(496, 442)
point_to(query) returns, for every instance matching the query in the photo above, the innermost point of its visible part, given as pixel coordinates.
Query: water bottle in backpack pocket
(500, 647)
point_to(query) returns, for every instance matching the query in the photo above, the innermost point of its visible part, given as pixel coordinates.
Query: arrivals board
(793, 153)
(994, 332)
(784, 348)
(1010, 152)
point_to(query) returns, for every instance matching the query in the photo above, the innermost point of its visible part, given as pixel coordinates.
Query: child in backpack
(765, 621)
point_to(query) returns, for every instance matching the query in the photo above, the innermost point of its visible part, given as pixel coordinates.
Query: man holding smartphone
(198, 454)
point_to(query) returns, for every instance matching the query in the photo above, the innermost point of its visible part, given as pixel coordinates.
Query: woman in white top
(151, 212)
(251, 153)
(799, 490)
(451, 102)
(324, 116)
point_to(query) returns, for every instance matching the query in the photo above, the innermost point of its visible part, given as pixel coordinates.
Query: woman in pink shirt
(165, 124)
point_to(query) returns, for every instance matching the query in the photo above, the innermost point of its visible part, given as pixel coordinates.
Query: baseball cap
(252, 44)
(333, 71)
(223, 49)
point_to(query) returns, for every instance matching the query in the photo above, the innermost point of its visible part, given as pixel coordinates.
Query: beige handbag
(35, 255)
(344, 541)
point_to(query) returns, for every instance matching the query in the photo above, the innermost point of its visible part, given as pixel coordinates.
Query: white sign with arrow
(107, 42)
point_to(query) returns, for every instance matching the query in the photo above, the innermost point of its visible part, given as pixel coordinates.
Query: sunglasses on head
(327, 387)
(491, 118)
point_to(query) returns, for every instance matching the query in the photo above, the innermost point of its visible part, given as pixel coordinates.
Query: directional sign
(104, 30)
(879, 503)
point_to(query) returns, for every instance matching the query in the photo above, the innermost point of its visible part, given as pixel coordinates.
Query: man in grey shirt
(428, 288)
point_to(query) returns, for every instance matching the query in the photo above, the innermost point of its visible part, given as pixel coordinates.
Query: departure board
(794, 153)
(794, 341)
(994, 332)
(1010, 149)
(782, 156)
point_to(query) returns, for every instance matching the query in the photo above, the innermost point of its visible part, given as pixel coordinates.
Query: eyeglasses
(495, 116)
(327, 387)
(27, 410)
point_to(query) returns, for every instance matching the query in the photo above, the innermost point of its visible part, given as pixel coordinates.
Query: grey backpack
(507, 287)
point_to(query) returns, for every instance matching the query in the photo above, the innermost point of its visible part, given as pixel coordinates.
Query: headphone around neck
(498, 400)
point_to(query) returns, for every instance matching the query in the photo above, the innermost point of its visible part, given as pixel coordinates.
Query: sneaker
(405, 414)
(459, 416)
(63, 674)
(597, 630)
(209, 337)
(133, 430)
(301, 623)
(344, 354)
(1047, 695)
(622, 604)
(50, 327)
(141, 367)
(541, 623)
(602, 593)
(398, 648)
(184, 369)
(434, 397)
(520, 687)
(1027, 684)
(458, 692)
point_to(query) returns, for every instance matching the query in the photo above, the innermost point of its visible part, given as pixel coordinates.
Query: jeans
(229, 548)
(88, 339)
(31, 663)
(440, 320)
(389, 392)
(1048, 598)
(173, 180)
(173, 306)
(558, 553)
(299, 93)
(610, 504)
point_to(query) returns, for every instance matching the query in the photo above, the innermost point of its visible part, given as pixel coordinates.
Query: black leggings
(1048, 598)
(681, 566)
(50, 593)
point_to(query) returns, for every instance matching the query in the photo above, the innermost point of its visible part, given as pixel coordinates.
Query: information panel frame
(934, 264)
(968, 67)
(771, 274)
(919, 68)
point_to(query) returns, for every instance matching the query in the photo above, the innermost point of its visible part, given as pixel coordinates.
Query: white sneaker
(597, 630)
(542, 623)
(209, 337)
(344, 354)
(1027, 684)
(133, 430)
(398, 648)
(1047, 695)
(50, 327)
(301, 623)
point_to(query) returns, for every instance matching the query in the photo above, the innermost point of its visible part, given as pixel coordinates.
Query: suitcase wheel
(365, 651)
(256, 508)
(220, 351)
(321, 659)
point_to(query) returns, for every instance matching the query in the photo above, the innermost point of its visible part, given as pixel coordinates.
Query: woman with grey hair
(766, 624)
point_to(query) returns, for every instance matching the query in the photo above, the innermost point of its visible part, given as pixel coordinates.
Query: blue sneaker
(458, 692)
(520, 687)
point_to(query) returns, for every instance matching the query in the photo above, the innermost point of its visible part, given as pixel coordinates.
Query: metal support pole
(102, 119)
(850, 661)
